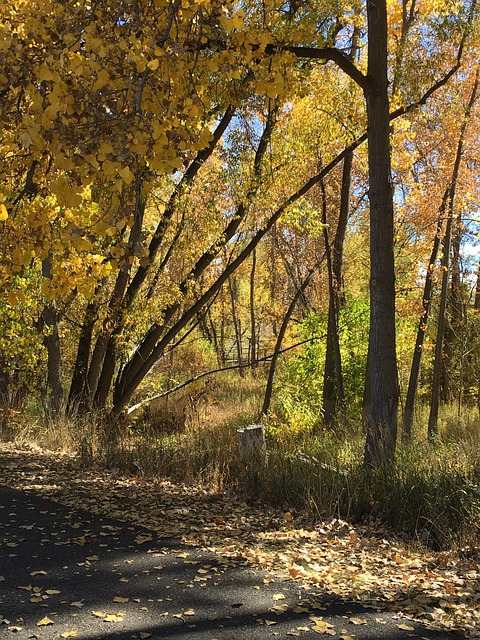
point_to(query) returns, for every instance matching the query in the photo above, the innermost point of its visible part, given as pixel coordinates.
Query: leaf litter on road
(349, 563)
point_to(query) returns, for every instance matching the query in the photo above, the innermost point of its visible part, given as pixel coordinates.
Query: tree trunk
(382, 422)
(455, 317)
(51, 340)
(79, 393)
(437, 367)
(439, 346)
(236, 322)
(103, 359)
(476, 304)
(456, 303)
(422, 327)
(278, 345)
(253, 331)
(367, 393)
(333, 387)
(273, 279)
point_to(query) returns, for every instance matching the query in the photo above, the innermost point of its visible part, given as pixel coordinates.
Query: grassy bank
(433, 493)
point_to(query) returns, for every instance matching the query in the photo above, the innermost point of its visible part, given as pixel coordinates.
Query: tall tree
(382, 422)
(113, 113)
(447, 240)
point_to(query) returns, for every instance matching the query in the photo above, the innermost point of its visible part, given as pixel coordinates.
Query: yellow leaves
(114, 617)
(15, 297)
(76, 61)
(140, 148)
(140, 63)
(153, 64)
(109, 168)
(82, 243)
(104, 149)
(103, 79)
(279, 609)
(44, 73)
(50, 115)
(357, 621)
(47, 289)
(44, 622)
(143, 537)
(3, 212)
(69, 634)
(229, 24)
(67, 194)
(323, 627)
(127, 175)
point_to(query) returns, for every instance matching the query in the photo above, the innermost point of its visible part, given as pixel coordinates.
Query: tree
(116, 122)
(447, 241)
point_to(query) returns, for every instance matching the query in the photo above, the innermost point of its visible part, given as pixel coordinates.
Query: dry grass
(432, 493)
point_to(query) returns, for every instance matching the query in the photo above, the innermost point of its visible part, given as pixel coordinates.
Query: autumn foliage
(175, 172)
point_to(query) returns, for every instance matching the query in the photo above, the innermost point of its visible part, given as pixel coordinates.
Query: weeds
(432, 494)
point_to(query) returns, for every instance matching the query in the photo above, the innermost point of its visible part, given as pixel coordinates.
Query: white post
(251, 444)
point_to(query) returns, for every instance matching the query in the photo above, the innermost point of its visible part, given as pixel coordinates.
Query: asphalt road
(67, 573)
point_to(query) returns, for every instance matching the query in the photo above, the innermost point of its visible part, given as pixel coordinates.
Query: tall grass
(432, 493)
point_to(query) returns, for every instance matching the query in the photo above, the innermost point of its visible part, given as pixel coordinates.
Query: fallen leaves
(116, 616)
(357, 621)
(143, 537)
(321, 626)
(350, 563)
(44, 622)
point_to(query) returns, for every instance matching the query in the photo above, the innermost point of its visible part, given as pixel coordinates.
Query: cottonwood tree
(104, 107)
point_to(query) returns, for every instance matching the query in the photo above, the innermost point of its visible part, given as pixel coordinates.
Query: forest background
(215, 214)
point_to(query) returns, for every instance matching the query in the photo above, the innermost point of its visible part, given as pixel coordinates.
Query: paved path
(67, 573)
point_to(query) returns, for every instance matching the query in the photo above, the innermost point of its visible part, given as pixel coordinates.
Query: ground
(362, 565)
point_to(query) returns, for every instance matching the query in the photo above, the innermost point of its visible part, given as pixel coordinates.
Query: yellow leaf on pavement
(357, 620)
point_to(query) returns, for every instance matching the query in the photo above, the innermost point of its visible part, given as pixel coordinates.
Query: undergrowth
(432, 493)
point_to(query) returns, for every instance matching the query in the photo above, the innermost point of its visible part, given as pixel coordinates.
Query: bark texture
(382, 421)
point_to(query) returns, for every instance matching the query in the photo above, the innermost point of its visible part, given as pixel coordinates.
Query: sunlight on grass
(433, 493)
